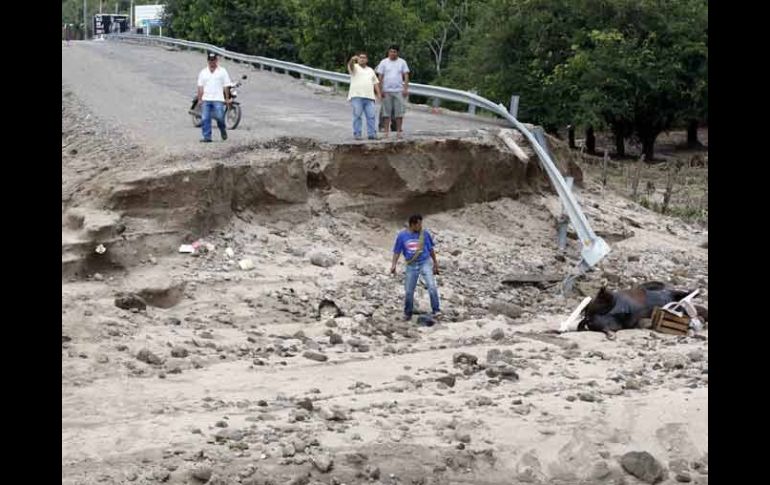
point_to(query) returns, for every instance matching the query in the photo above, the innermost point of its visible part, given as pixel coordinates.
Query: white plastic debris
(230, 253)
(246, 264)
(100, 249)
(186, 248)
(571, 323)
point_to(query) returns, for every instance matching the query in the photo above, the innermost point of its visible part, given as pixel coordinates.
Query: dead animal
(611, 311)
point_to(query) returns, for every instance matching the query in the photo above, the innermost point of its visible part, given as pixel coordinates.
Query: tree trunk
(571, 136)
(648, 147)
(692, 134)
(620, 144)
(590, 141)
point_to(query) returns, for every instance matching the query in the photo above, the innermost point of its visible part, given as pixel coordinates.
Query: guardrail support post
(514, 109)
(472, 107)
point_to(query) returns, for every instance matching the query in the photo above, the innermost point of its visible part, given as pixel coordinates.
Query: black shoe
(406, 318)
(205, 140)
(224, 134)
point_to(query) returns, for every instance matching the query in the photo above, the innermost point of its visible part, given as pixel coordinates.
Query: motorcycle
(232, 113)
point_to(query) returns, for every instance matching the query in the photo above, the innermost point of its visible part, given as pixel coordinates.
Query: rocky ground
(275, 353)
(254, 376)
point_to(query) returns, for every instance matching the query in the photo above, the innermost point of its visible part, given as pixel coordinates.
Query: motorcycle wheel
(233, 116)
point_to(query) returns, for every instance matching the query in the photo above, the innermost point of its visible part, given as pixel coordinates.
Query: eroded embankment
(185, 200)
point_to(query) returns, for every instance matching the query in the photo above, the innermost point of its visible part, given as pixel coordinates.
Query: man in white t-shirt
(364, 90)
(394, 77)
(213, 93)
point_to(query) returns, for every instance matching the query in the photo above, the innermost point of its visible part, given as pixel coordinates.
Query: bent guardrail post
(594, 247)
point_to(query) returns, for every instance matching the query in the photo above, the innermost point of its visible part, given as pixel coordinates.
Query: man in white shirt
(364, 90)
(394, 77)
(213, 93)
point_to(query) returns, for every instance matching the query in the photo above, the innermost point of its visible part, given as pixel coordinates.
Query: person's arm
(200, 87)
(395, 261)
(398, 247)
(377, 90)
(405, 76)
(429, 244)
(351, 64)
(226, 88)
(380, 77)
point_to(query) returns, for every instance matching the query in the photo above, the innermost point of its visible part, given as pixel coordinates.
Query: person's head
(415, 222)
(212, 59)
(393, 52)
(363, 59)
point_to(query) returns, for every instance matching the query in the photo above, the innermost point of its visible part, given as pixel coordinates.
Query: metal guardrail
(594, 247)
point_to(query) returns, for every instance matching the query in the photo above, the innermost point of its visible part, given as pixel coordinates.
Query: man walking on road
(416, 244)
(394, 77)
(364, 90)
(213, 93)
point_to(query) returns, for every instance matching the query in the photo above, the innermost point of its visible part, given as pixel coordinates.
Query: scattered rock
(696, 356)
(322, 258)
(162, 293)
(683, 477)
(334, 414)
(287, 450)
(643, 466)
(632, 384)
(335, 339)
(327, 309)
(305, 403)
(465, 359)
(313, 355)
(373, 473)
(498, 334)
(674, 361)
(202, 473)
(600, 471)
(504, 308)
(229, 434)
(179, 352)
(587, 397)
(148, 357)
(323, 462)
(449, 380)
(128, 301)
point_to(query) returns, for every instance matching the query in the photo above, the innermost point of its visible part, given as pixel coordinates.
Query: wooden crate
(665, 322)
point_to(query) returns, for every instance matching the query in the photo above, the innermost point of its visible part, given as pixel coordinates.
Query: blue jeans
(413, 272)
(217, 108)
(365, 106)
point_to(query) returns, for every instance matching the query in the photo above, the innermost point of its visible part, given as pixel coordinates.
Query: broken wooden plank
(505, 136)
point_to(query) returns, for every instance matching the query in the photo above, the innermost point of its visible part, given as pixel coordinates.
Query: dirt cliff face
(187, 199)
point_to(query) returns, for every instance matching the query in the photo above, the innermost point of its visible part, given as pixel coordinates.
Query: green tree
(333, 30)
(642, 74)
(441, 24)
(631, 66)
(257, 27)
